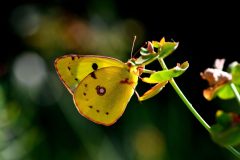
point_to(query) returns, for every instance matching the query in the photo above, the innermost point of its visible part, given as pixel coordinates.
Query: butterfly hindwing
(72, 69)
(102, 96)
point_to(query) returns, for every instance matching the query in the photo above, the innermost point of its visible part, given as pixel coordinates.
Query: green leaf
(167, 48)
(227, 130)
(147, 51)
(235, 71)
(225, 92)
(156, 44)
(146, 59)
(226, 137)
(144, 51)
(165, 75)
(224, 119)
(148, 55)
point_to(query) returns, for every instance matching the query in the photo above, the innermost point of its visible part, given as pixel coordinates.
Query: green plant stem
(233, 151)
(191, 108)
(235, 91)
(189, 105)
(237, 95)
(184, 99)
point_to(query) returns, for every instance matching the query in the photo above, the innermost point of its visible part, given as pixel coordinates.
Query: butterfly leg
(148, 71)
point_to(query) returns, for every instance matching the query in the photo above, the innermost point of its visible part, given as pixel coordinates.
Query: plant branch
(235, 91)
(233, 151)
(194, 112)
(184, 99)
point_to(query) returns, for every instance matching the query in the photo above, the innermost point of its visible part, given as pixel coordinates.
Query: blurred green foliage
(38, 119)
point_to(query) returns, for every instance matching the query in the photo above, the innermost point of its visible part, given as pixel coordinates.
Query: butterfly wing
(102, 96)
(72, 69)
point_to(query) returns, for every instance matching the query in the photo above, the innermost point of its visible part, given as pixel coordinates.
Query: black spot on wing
(98, 111)
(94, 66)
(100, 90)
(93, 75)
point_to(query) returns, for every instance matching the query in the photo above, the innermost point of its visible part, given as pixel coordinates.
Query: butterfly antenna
(140, 48)
(134, 39)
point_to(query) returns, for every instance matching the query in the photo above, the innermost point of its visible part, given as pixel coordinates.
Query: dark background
(38, 119)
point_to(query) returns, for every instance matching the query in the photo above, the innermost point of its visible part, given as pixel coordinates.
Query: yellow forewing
(103, 95)
(72, 69)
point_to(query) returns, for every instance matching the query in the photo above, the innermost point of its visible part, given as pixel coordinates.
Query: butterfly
(102, 86)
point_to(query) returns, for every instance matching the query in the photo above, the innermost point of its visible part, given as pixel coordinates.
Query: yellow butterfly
(102, 86)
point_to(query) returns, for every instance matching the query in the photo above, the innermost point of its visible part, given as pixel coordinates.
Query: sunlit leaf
(144, 51)
(148, 54)
(235, 71)
(157, 44)
(165, 75)
(145, 59)
(167, 48)
(225, 92)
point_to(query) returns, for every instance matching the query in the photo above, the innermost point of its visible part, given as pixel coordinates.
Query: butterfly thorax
(135, 69)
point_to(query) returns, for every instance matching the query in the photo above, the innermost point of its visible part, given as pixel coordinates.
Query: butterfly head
(135, 68)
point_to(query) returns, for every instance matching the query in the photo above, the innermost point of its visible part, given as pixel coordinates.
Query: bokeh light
(25, 20)
(29, 70)
(149, 144)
